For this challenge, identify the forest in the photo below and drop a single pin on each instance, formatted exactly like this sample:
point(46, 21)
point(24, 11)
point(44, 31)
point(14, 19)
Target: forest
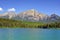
point(10, 23)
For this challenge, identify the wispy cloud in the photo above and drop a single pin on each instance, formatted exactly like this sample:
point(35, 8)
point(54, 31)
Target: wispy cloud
point(11, 9)
point(1, 9)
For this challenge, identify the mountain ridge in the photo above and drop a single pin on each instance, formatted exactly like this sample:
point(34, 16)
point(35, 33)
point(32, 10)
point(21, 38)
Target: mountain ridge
point(30, 15)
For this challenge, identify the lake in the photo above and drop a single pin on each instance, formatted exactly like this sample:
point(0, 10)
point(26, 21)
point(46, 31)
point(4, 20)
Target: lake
point(29, 34)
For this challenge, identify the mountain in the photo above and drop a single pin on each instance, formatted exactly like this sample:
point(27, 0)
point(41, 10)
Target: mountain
point(30, 15)
point(9, 15)
point(54, 17)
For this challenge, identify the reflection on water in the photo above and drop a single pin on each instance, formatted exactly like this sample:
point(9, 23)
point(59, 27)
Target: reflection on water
point(29, 34)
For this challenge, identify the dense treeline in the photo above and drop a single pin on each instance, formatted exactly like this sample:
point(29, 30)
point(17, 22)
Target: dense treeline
point(50, 25)
point(9, 23)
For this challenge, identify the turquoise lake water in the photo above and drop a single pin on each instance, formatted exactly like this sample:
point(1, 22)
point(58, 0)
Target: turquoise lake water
point(29, 34)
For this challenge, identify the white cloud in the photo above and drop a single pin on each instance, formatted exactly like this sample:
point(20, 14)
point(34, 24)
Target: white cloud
point(1, 9)
point(11, 9)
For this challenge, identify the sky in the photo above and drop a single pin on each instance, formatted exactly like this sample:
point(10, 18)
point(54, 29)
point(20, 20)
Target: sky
point(44, 6)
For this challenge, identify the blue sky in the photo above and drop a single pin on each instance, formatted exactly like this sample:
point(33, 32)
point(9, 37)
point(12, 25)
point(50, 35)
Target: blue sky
point(45, 6)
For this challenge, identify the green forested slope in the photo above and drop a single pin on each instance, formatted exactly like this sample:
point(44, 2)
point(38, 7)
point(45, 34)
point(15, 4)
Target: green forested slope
point(9, 23)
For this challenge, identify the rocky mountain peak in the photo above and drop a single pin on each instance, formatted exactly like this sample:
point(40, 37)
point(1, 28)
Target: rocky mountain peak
point(30, 15)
